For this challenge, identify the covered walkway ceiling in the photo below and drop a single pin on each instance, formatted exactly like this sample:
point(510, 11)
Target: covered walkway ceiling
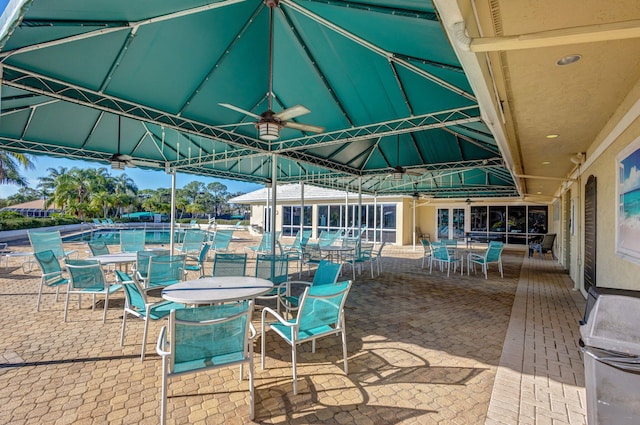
point(90, 79)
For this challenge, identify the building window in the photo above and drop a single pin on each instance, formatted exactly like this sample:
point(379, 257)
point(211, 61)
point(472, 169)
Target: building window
point(291, 219)
point(379, 223)
point(510, 224)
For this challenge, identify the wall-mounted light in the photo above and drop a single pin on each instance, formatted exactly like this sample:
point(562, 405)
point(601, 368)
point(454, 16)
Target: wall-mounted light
point(578, 158)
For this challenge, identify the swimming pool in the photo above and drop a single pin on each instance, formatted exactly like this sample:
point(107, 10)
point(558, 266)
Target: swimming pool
point(112, 237)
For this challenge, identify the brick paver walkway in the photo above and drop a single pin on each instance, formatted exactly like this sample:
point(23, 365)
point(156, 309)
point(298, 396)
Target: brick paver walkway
point(423, 349)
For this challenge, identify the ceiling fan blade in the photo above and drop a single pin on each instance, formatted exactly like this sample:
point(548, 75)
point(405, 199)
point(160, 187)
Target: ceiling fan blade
point(304, 127)
point(294, 111)
point(242, 111)
point(144, 163)
point(238, 124)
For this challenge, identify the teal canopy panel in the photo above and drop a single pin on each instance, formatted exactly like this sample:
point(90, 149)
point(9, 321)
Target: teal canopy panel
point(363, 92)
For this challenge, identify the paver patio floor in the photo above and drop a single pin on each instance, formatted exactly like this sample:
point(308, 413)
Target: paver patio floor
point(423, 349)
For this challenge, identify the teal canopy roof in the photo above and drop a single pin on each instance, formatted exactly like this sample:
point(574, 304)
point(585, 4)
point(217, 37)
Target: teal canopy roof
point(89, 79)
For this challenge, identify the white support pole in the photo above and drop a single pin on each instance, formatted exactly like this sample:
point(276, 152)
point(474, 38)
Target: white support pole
point(346, 212)
point(375, 218)
point(274, 202)
point(414, 223)
point(301, 208)
point(266, 215)
point(360, 207)
point(173, 211)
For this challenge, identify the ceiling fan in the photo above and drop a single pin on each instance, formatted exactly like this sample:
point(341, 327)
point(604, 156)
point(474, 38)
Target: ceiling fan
point(398, 172)
point(119, 161)
point(269, 122)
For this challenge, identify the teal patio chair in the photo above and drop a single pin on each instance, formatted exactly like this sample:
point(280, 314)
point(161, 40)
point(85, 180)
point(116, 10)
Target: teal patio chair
point(206, 338)
point(427, 251)
point(87, 278)
point(290, 291)
point(191, 242)
point(443, 256)
point(49, 240)
point(142, 263)
point(312, 255)
point(376, 258)
point(274, 268)
point(363, 253)
point(165, 270)
point(138, 305)
point(298, 242)
point(52, 275)
point(493, 254)
point(321, 314)
point(229, 265)
point(98, 248)
point(295, 250)
point(221, 240)
point(264, 247)
point(327, 238)
point(132, 240)
point(202, 257)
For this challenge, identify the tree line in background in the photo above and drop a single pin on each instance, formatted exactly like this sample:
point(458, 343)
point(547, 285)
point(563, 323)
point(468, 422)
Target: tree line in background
point(88, 193)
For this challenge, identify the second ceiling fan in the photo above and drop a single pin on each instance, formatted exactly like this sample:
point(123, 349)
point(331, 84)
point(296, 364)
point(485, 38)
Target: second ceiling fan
point(269, 122)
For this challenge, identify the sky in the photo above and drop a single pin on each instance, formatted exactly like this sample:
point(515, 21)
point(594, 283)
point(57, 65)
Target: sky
point(144, 179)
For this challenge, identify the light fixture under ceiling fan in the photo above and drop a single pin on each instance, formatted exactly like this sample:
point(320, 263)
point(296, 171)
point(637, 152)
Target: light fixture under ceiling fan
point(119, 161)
point(269, 123)
point(398, 172)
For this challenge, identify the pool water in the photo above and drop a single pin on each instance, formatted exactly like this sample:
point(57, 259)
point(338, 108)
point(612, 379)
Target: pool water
point(112, 237)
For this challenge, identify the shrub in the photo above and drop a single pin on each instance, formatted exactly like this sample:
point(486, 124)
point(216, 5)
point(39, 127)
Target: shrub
point(32, 223)
point(7, 215)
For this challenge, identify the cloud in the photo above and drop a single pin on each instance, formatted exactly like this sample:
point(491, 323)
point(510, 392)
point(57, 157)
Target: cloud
point(632, 182)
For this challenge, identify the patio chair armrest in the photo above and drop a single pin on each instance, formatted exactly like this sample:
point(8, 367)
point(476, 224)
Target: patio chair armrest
point(473, 256)
point(296, 282)
point(162, 343)
point(51, 274)
point(73, 251)
point(275, 314)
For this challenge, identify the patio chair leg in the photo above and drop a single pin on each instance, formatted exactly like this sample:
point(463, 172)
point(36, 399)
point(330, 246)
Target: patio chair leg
point(124, 324)
point(66, 308)
point(294, 360)
point(40, 296)
point(163, 405)
point(144, 338)
point(106, 304)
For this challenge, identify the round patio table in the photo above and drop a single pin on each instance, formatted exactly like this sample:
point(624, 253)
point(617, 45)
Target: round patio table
point(212, 290)
point(115, 258)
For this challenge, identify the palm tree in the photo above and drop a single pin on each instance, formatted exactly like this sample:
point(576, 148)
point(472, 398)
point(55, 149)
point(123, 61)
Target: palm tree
point(81, 191)
point(102, 201)
point(9, 168)
point(124, 190)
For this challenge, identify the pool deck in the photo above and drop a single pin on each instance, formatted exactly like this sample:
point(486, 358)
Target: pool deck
point(423, 349)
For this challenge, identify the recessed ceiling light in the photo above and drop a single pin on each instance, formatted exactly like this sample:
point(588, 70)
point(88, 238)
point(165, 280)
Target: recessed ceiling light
point(546, 163)
point(568, 60)
point(538, 193)
point(551, 136)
